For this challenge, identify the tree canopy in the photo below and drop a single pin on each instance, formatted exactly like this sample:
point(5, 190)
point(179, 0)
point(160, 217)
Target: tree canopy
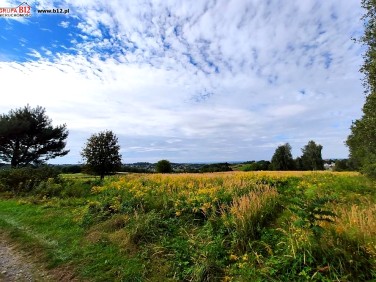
point(164, 166)
point(311, 158)
point(27, 137)
point(101, 153)
point(362, 139)
point(282, 158)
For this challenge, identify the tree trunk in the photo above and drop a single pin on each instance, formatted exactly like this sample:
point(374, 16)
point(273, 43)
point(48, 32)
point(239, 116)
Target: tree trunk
point(16, 153)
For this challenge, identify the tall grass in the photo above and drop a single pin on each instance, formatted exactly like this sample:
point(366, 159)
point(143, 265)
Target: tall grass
point(359, 223)
point(251, 212)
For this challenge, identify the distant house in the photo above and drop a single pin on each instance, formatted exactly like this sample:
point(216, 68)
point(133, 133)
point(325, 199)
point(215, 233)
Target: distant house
point(329, 166)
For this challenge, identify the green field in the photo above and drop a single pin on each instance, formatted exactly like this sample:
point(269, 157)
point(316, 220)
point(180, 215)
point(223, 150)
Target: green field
point(236, 226)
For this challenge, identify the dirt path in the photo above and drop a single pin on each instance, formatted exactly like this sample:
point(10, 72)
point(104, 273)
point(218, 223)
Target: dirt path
point(17, 266)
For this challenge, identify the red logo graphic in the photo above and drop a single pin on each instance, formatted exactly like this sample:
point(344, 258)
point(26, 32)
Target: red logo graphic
point(22, 10)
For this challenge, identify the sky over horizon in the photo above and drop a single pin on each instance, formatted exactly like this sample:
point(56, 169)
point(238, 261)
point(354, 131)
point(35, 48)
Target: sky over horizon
point(189, 81)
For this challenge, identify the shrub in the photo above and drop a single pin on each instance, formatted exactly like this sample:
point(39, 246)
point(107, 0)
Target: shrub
point(63, 188)
point(77, 189)
point(48, 188)
point(21, 180)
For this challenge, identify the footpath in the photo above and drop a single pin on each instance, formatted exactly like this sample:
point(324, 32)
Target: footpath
point(18, 266)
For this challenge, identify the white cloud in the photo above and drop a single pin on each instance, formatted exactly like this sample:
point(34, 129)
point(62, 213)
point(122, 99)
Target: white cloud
point(35, 54)
point(223, 80)
point(64, 24)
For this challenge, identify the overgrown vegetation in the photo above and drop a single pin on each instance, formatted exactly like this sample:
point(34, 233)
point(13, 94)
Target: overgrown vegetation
point(26, 179)
point(264, 226)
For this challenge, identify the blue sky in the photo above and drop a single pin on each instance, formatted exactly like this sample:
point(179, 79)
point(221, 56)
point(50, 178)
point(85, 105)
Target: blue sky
point(189, 81)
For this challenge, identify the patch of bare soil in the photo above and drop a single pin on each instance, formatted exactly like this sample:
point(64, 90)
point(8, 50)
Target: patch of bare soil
point(16, 265)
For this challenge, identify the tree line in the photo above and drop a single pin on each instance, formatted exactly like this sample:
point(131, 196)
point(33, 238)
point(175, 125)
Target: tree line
point(311, 158)
point(27, 138)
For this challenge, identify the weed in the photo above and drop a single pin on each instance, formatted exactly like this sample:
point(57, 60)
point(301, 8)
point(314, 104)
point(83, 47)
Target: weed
point(312, 212)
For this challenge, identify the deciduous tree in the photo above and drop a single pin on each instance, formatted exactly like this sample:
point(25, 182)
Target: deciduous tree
point(311, 158)
point(101, 153)
point(362, 140)
point(282, 158)
point(164, 166)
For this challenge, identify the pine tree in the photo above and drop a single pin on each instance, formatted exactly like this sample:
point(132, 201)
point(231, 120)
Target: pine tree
point(27, 137)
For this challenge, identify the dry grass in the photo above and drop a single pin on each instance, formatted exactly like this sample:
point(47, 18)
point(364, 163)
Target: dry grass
point(358, 222)
point(247, 206)
point(251, 211)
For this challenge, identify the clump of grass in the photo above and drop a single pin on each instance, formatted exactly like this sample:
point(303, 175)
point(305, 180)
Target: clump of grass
point(144, 227)
point(358, 223)
point(132, 231)
point(113, 224)
point(251, 212)
point(294, 257)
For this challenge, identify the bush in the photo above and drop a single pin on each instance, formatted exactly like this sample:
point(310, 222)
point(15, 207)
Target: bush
point(256, 166)
point(48, 188)
point(216, 167)
point(20, 180)
point(71, 169)
point(63, 188)
point(164, 166)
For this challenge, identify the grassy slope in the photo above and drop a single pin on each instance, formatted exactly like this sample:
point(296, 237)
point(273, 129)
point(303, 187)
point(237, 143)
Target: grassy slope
point(156, 242)
point(53, 233)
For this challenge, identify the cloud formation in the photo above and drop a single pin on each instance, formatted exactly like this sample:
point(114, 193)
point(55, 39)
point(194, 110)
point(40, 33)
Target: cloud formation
point(192, 81)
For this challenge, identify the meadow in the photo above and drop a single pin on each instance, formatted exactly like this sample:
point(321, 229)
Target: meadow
point(233, 226)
